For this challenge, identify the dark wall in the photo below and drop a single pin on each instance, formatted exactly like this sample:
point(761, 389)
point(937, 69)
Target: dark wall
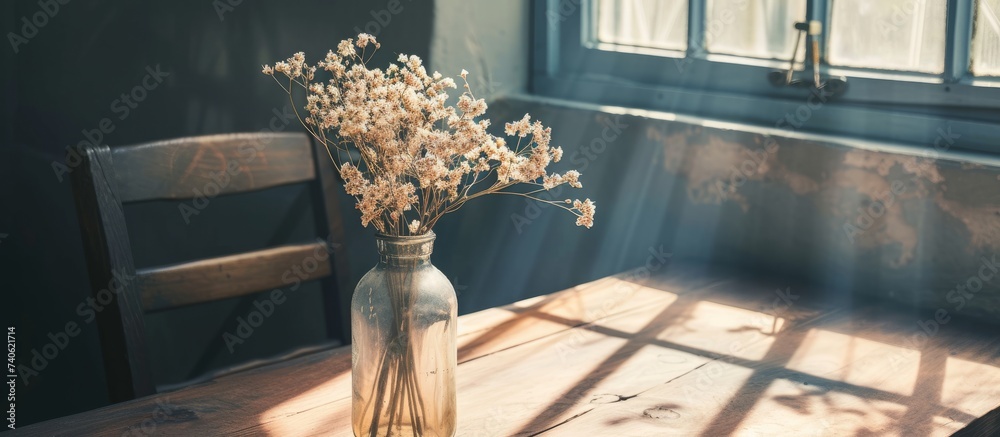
point(69, 76)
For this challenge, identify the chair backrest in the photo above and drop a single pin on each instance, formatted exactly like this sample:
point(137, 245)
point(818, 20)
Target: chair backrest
point(179, 169)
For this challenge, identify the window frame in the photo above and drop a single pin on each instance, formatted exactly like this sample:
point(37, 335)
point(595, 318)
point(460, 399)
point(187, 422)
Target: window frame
point(892, 106)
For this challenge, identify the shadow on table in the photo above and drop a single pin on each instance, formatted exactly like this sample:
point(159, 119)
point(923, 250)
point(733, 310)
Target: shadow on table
point(771, 361)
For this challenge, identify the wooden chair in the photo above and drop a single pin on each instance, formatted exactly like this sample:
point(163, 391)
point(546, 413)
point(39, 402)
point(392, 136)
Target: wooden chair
point(172, 169)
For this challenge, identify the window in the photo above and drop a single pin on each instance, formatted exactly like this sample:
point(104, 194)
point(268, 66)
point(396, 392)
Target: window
point(912, 67)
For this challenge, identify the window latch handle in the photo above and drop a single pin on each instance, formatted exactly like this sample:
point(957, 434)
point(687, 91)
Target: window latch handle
point(811, 29)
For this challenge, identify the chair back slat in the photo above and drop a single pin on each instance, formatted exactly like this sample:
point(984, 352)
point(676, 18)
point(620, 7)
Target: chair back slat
point(224, 277)
point(207, 166)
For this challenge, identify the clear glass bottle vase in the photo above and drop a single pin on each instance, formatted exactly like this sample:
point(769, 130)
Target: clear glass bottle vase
point(403, 317)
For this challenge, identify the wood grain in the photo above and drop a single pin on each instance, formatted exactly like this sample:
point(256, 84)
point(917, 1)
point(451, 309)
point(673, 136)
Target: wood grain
point(679, 355)
point(211, 165)
point(231, 276)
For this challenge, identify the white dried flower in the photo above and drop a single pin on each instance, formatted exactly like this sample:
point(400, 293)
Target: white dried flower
point(364, 39)
point(345, 48)
point(587, 209)
point(572, 178)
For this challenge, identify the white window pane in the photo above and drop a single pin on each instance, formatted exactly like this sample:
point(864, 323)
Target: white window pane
point(645, 23)
point(888, 34)
point(986, 40)
point(756, 28)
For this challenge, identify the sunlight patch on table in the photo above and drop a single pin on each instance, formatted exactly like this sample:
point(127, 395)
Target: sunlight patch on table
point(858, 361)
point(634, 322)
point(725, 329)
point(645, 369)
point(970, 387)
point(333, 389)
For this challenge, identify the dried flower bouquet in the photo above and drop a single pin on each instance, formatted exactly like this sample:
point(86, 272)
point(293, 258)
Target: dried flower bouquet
point(416, 158)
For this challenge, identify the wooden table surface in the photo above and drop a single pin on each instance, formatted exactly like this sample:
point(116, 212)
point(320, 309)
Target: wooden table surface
point(685, 353)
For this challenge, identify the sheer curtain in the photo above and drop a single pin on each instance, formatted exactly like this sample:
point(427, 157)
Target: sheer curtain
point(754, 28)
point(644, 23)
point(889, 34)
point(986, 42)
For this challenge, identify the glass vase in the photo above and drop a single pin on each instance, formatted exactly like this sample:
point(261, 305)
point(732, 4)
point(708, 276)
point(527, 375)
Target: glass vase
point(403, 317)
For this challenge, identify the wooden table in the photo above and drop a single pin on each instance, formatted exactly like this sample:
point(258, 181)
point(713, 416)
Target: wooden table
point(685, 353)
